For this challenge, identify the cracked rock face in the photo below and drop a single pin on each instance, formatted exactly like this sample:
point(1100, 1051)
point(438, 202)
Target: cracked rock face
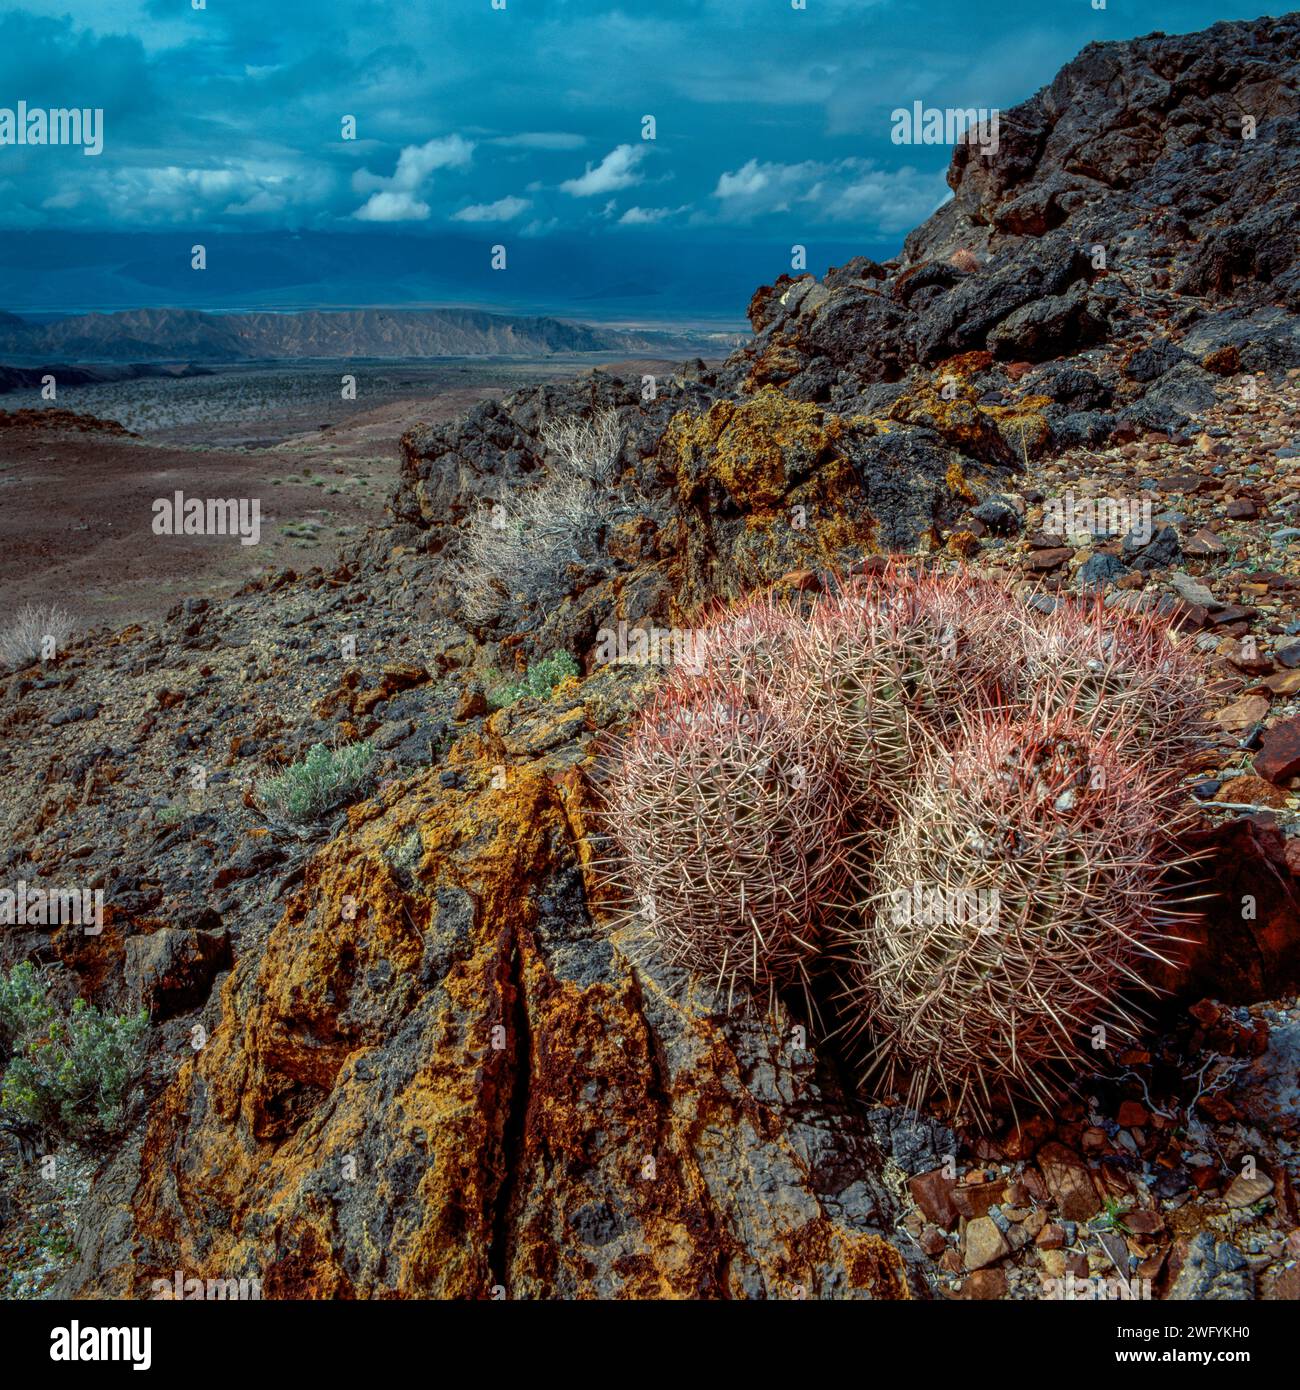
point(461, 1085)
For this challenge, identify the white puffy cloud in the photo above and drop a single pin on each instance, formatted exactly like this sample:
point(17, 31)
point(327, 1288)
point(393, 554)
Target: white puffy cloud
point(846, 190)
point(617, 170)
point(399, 198)
point(157, 194)
point(503, 210)
point(392, 207)
point(644, 217)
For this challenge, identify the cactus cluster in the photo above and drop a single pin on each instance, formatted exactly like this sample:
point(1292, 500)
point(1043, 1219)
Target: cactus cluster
point(963, 805)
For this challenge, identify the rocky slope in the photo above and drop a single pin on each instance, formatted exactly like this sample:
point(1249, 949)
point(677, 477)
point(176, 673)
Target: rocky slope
point(411, 1052)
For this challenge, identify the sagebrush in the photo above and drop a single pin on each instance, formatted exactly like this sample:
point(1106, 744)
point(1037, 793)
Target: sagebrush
point(324, 780)
point(65, 1073)
point(527, 540)
point(32, 632)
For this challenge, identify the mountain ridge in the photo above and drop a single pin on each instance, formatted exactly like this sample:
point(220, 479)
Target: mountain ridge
point(168, 334)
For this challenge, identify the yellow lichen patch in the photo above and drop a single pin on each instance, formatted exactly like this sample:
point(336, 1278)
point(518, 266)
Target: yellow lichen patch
point(773, 367)
point(874, 1268)
point(952, 412)
point(955, 477)
point(963, 544)
point(1024, 425)
point(424, 1089)
point(756, 449)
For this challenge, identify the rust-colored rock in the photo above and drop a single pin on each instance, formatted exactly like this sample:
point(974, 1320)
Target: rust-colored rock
point(431, 1088)
point(1245, 945)
point(1279, 754)
point(1069, 1181)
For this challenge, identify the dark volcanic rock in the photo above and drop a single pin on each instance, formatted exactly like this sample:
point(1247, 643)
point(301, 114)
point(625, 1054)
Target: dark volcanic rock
point(440, 1063)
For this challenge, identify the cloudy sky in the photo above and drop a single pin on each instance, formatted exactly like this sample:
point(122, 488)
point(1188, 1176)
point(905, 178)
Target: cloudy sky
point(522, 126)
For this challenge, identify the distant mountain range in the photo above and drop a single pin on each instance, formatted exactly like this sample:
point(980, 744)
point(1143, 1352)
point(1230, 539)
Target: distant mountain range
point(176, 335)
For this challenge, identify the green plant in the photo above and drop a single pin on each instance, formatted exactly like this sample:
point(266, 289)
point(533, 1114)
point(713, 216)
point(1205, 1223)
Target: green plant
point(1112, 1218)
point(538, 682)
point(325, 779)
point(68, 1073)
point(24, 1009)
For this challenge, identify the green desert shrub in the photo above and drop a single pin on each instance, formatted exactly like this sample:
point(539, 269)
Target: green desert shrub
point(67, 1074)
point(24, 1009)
point(540, 680)
point(325, 779)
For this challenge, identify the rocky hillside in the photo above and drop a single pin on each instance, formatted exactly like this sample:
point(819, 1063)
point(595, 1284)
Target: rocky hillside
point(408, 1049)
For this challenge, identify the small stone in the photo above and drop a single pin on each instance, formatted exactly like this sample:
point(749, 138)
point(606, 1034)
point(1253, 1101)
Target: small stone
point(1144, 1223)
point(984, 1284)
point(1241, 509)
point(999, 514)
point(1101, 569)
point(985, 1244)
point(1160, 551)
point(1132, 1112)
point(1192, 591)
point(1205, 542)
point(1048, 559)
point(1248, 790)
point(1232, 614)
point(1288, 656)
point(1069, 1181)
point(1245, 1192)
point(1051, 1236)
point(1241, 714)
point(975, 1200)
point(1246, 656)
point(932, 1192)
point(1279, 755)
point(932, 1241)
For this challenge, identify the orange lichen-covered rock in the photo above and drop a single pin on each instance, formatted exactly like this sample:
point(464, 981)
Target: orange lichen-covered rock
point(442, 1078)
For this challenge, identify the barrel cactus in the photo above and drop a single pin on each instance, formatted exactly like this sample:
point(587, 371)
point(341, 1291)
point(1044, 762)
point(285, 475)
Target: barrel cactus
point(1014, 902)
point(962, 804)
point(730, 829)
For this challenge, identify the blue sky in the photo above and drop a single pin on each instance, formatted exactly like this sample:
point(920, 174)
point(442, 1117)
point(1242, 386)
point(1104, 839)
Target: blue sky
point(520, 126)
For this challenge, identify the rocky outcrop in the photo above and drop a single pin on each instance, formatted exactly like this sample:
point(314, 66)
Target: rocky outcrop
point(410, 1050)
point(450, 1081)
